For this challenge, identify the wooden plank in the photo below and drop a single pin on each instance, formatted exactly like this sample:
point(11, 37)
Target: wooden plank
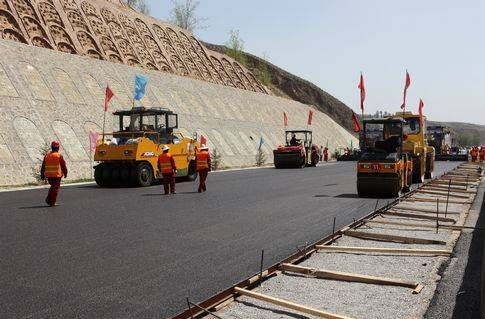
point(442, 194)
point(418, 216)
point(393, 238)
point(289, 304)
point(452, 189)
point(380, 250)
point(350, 277)
point(432, 200)
point(385, 222)
point(424, 210)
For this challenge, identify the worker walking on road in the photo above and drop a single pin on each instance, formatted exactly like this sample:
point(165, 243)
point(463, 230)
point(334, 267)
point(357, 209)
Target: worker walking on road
point(203, 159)
point(325, 154)
point(474, 154)
point(53, 168)
point(482, 154)
point(166, 165)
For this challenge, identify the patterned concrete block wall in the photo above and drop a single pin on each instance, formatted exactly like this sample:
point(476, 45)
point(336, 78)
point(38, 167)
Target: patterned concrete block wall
point(47, 95)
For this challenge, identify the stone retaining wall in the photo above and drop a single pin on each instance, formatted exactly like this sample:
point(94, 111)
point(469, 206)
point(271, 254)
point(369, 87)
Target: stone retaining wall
point(47, 95)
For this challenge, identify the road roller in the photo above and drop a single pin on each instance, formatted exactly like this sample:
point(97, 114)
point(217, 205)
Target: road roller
point(128, 157)
point(384, 169)
point(297, 152)
point(415, 143)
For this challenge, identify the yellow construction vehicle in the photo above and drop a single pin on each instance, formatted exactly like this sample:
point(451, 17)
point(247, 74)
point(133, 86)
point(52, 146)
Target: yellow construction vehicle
point(384, 168)
point(416, 145)
point(129, 156)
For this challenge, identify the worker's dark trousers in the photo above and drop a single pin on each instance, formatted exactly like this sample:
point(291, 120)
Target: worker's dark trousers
point(53, 191)
point(168, 183)
point(202, 178)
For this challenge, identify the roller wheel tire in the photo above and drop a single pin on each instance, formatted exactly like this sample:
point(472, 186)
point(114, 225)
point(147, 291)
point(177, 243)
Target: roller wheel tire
point(98, 176)
point(418, 175)
point(143, 175)
point(192, 174)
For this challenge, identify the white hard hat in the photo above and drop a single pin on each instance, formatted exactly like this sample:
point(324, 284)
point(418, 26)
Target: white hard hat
point(203, 147)
point(165, 148)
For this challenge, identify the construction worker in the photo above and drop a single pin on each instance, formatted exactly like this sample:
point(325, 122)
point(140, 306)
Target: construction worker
point(53, 168)
point(482, 154)
point(203, 160)
point(166, 165)
point(325, 154)
point(474, 154)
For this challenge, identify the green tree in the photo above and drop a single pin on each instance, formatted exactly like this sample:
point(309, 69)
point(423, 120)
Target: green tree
point(139, 5)
point(184, 15)
point(236, 47)
point(260, 157)
point(216, 160)
point(43, 150)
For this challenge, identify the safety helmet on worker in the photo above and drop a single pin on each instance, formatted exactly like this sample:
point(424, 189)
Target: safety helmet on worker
point(203, 148)
point(55, 145)
point(165, 148)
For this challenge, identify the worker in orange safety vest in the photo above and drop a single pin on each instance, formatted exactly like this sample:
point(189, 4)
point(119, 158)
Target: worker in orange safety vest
point(482, 154)
point(166, 165)
point(53, 168)
point(325, 154)
point(203, 160)
point(474, 154)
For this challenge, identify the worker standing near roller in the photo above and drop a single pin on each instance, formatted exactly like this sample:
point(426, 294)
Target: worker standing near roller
point(482, 154)
point(474, 154)
point(203, 166)
point(53, 168)
point(325, 154)
point(166, 165)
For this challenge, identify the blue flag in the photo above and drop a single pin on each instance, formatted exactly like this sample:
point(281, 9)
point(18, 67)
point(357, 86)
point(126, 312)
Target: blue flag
point(261, 142)
point(140, 86)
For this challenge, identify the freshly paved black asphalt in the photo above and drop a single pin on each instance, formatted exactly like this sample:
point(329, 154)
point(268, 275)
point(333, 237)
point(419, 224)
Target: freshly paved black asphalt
point(132, 253)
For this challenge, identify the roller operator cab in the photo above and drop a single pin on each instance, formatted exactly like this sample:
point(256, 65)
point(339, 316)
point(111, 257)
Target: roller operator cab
point(415, 143)
point(384, 169)
point(129, 156)
point(298, 150)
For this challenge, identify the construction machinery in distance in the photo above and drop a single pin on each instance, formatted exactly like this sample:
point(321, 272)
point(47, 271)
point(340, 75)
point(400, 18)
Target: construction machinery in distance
point(298, 150)
point(384, 169)
point(440, 137)
point(129, 156)
point(415, 144)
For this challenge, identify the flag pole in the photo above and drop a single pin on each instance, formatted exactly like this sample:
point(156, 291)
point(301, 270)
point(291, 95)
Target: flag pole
point(104, 121)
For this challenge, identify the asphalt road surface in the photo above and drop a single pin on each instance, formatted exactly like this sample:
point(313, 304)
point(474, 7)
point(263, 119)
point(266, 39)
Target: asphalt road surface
point(132, 253)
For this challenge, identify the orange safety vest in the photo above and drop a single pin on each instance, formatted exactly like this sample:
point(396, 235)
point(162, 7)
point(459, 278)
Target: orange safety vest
point(202, 160)
point(474, 152)
point(165, 163)
point(53, 165)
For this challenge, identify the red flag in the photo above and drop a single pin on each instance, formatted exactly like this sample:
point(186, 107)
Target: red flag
point(285, 119)
point(310, 117)
point(356, 123)
point(108, 97)
point(406, 86)
point(420, 110)
point(93, 141)
point(203, 140)
point(362, 92)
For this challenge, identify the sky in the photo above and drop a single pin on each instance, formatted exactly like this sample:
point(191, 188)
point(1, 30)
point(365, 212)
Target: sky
point(329, 42)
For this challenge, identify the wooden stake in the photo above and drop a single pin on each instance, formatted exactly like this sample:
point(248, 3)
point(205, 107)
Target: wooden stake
point(289, 304)
point(343, 276)
point(393, 238)
point(392, 251)
point(417, 216)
